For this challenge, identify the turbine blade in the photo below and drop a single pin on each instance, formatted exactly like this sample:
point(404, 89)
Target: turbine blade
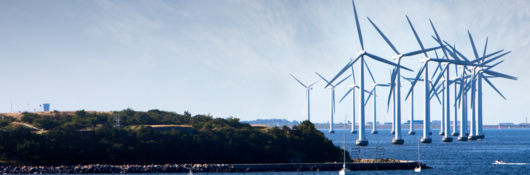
point(353, 75)
point(368, 99)
point(344, 69)
point(491, 84)
point(489, 72)
point(432, 86)
point(386, 61)
point(351, 89)
point(454, 62)
point(371, 76)
point(322, 78)
point(384, 37)
point(438, 39)
point(392, 84)
point(451, 53)
point(436, 70)
point(298, 80)
point(473, 44)
point(494, 58)
point(416, 79)
point(358, 26)
point(417, 38)
point(457, 52)
point(312, 84)
point(484, 57)
point(342, 80)
point(485, 47)
point(441, 74)
point(492, 66)
point(420, 51)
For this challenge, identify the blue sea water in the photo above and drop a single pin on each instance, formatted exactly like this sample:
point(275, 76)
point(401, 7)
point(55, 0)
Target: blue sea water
point(471, 157)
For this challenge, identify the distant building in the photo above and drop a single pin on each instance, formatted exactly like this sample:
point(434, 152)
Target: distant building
point(369, 123)
point(46, 106)
point(415, 122)
point(506, 124)
point(388, 123)
point(436, 122)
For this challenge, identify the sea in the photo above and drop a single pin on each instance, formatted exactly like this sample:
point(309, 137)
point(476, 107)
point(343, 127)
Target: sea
point(470, 157)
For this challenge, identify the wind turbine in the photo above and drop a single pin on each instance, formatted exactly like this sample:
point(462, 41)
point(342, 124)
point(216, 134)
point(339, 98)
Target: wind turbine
point(398, 139)
point(425, 69)
point(411, 131)
point(476, 78)
point(362, 141)
point(373, 92)
point(332, 87)
point(307, 89)
point(352, 88)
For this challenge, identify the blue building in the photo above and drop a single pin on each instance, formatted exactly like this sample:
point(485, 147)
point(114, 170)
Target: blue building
point(46, 106)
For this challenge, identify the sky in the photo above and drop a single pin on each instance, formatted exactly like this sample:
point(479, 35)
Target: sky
point(233, 58)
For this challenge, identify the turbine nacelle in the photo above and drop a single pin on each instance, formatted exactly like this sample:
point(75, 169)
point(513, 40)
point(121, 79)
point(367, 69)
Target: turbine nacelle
point(397, 57)
point(423, 60)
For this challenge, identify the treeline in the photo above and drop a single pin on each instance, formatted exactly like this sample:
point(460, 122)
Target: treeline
point(215, 140)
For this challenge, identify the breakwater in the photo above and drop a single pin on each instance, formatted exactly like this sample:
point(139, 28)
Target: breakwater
point(175, 168)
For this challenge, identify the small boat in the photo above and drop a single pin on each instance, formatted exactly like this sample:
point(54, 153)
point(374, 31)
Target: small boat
point(499, 162)
point(418, 168)
point(344, 170)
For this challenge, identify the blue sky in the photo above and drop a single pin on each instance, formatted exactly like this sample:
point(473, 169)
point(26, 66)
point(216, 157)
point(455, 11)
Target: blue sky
point(233, 58)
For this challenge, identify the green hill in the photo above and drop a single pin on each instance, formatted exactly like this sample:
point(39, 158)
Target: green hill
point(87, 138)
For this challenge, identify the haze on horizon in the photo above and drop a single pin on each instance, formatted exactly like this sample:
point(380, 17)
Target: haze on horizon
point(233, 58)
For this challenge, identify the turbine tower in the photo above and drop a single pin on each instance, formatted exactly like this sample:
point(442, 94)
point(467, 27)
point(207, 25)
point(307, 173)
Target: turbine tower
point(362, 141)
point(352, 88)
point(332, 87)
point(307, 89)
point(373, 92)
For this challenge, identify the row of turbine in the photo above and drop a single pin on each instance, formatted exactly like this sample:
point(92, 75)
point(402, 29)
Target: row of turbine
point(465, 81)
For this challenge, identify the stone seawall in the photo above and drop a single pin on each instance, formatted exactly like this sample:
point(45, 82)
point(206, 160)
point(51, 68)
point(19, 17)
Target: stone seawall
point(172, 168)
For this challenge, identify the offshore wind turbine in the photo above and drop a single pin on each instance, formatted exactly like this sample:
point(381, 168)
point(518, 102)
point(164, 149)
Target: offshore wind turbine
point(411, 131)
point(362, 141)
point(480, 75)
point(425, 69)
point(307, 89)
point(374, 92)
point(398, 139)
point(352, 88)
point(476, 78)
point(332, 87)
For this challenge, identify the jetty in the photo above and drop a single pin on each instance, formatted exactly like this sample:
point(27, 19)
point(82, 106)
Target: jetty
point(176, 168)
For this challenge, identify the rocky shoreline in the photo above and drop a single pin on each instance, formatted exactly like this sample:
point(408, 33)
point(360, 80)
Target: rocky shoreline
point(179, 168)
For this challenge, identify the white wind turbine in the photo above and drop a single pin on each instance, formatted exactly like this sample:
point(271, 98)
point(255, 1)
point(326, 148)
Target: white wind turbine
point(396, 82)
point(332, 87)
point(352, 88)
point(307, 89)
point(362, 141)
point(374, 92)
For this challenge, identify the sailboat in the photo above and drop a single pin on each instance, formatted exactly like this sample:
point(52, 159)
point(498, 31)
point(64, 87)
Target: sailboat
point(418, 168)
point(344, 170)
